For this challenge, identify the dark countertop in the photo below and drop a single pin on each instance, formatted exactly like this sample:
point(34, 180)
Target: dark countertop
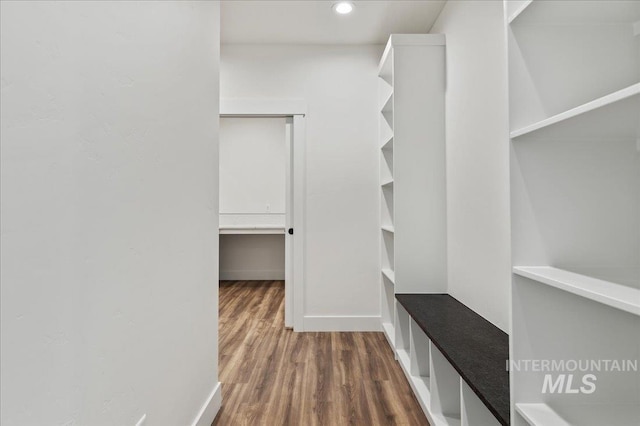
point(477, 349)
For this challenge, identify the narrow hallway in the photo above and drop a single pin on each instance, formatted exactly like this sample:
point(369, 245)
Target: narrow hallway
point(271, 375)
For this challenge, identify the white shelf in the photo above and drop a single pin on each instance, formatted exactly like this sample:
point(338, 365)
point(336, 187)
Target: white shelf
point(387, 184)
point(252, 229)
point(388, 105)
point(542, 12)
point(388, 228)
point(388, 144)
point(521, 8)
point(622, 121)
point(386, 132)
point(391, 276)
point(388, 118)
point(439, 419)
point(611, 294)
point(540, 415)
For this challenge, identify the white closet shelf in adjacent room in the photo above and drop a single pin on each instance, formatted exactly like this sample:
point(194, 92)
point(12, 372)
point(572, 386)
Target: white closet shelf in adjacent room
point(608, 293)
point(252, 230)
point(605, 117)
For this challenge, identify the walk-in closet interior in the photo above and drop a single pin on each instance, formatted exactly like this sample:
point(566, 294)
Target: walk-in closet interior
point(320, 212)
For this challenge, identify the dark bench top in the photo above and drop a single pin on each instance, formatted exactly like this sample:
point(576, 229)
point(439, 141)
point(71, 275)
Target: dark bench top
point(477, 349)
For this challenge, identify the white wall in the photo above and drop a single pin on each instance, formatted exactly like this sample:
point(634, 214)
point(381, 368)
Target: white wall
point(252, 165)
point(252, 257)
point(477, 157)
point(109, 212)
point(339, 84)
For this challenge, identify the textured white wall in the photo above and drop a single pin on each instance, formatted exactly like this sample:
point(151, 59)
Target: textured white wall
point(339, 84)
point(109, 211)
point(478, 219)
point(252, 165)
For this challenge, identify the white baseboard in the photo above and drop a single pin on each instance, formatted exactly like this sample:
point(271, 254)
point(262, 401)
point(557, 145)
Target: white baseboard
point(210, 409)
point(251, 275)
point(342, 323)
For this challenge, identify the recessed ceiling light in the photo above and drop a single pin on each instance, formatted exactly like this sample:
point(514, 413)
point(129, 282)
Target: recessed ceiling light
point(343, 7)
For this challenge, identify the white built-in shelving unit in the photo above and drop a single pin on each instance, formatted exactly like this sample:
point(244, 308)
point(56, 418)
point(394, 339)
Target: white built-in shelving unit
point(413, 204)
point(412, 170)
point(574, 83)
point(438, 378)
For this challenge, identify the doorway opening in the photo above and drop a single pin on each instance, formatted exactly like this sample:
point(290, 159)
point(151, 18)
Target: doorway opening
point(261, 196)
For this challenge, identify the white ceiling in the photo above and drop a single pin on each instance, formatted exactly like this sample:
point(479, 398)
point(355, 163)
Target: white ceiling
point(315, 22)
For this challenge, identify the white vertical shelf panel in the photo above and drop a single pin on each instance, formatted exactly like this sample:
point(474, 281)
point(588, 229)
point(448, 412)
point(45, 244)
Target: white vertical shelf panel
point(473, 411)
point(388, 309)
point(419, 187)
point(418, 376)
point(402, 330)
point(419, 353)
point(445, 388)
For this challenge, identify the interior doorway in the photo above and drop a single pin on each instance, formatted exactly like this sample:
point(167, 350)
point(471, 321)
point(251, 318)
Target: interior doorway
point(269, 217)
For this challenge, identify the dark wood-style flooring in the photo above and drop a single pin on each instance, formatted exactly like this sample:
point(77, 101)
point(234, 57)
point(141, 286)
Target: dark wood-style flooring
point(273, 376)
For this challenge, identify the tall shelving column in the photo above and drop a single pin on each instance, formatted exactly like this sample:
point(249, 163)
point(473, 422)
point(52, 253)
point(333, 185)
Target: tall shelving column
point(412, 175)
point(574, 82)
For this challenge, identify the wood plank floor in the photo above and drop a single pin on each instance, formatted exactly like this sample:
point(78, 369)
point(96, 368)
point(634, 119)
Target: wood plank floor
point(273, 376)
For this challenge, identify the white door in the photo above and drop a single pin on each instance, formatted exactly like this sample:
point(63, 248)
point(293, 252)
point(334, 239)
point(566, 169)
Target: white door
point(288, 238)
